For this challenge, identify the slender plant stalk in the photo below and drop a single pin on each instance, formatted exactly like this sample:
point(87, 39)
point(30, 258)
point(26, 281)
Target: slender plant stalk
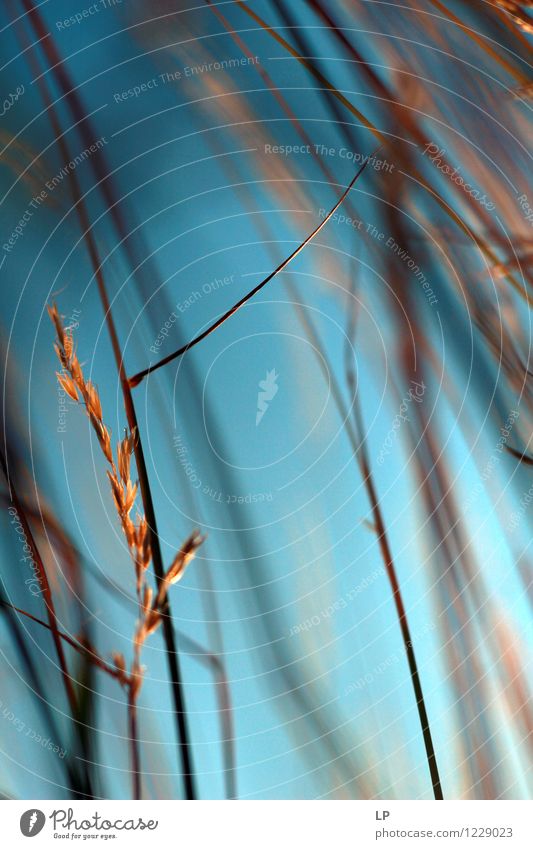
point(47, 592)
point(137, 534)
point(78, 788)
point(386, 553)
point(400, 610)
point(360, 454)
point(200, 654)
point(482, 43)
point(134, 742)
point(82, 647)
point(88, 652)
point(384, 546)
point(157, 558)
point(137, 378)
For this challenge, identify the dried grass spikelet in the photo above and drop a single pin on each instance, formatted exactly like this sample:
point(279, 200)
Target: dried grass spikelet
point(152, 609)
point(74, 384)
point(124, 492)
point(68, 385)
point(183, 558)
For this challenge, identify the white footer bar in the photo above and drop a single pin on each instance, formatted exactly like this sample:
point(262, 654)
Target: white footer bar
point(268, 824)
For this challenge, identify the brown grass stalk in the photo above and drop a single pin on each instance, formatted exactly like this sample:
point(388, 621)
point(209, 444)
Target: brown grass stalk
point(84, 648)
point(401, 613)
point(45, 585)
point(138, 538)
point(157, 557)
point(81, 645)
point(137, 378)
point(360, 454)
point(481, 43)
point(384, 141)
point(79, 784)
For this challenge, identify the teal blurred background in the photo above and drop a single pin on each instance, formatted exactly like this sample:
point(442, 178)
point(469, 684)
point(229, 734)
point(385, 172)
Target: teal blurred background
point(287, 610)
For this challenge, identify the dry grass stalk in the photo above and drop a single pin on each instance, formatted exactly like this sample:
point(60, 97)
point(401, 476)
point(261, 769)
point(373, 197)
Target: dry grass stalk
point(124, 491)
point(385, 142)
point(137, 378)
point(45, 583)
